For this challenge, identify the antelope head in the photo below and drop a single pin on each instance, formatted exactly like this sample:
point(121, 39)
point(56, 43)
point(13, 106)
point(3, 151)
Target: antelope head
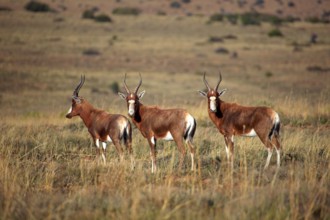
point(213, 95)
point(77, 101)
point(132, 98)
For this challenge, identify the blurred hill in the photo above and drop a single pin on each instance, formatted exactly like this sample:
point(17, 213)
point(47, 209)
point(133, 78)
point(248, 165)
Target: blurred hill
point(300, 9)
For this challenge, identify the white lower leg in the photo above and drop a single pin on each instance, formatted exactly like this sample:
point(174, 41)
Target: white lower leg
point(278, 157)
point(103, 158)
point(227, 152)
point(104, 145)
point(192, 161)
point(270, 152)
point(153, 166)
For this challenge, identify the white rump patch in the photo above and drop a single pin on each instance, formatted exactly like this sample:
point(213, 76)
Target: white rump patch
point(152, 141)
point(276, 118)
point(122, 125)
point(70, 110)
point(109, 139)
point(252, 133)
point(190, 123)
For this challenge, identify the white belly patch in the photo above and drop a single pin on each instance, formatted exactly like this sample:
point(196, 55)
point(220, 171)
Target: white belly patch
point(252, 133)
point(168, 137)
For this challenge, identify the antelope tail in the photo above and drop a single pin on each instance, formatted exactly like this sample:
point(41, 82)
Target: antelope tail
point(127, 134)
point(275, 131)
point(190, 128)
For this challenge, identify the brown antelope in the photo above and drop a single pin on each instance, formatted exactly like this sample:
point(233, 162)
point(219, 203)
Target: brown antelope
point(232, 119)
point(101, 125)
point(155, 123)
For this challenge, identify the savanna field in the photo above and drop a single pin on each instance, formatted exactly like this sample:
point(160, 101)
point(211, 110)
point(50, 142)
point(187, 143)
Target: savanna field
point(49, 167)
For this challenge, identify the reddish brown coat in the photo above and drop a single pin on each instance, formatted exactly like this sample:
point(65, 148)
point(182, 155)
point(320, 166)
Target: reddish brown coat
point(155, 123)
point(232, 119)
point(101, 125)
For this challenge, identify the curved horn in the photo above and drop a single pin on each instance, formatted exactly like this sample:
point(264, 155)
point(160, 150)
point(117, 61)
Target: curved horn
point(220, 79)
point(76, 91)
point(206, 83)
point(137, 88)
point(125, 85)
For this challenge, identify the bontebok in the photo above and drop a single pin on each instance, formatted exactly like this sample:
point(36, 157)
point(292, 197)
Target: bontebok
point(102, 126)
point(155, 123)
point(232, 119)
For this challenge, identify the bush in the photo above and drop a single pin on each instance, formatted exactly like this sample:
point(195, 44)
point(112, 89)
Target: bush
point(315, 20)
point(291, 4)
point(216, 18)
point(91, 52)
point(250, 19)
point(126, 11)
point(35, 6)
point(5, 8)
point(215, 39)
point(114, 87)
point(222, 50)
point(268, 74)
point(275, 33)
point(102, 18)
point(161, 13)
point(232, 18)
point(175, 5)
point(89, 13)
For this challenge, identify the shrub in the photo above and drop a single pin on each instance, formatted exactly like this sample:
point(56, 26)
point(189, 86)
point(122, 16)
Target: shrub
point(175, 5)
point(161, 13)
point(268, 74)
point(35, 6)
point(114, 87)
point(291, 4)
point(4, 8)
point(126, 11)
point(232, 18)
point(250, 19)
point(259, 2)
point(216, 17)
point(275, 33)
point(215, 39)
point(89, 13)
point(102, 18)
point(91, 52)
point(222, 50)
point(315, 20)
point(271, 19)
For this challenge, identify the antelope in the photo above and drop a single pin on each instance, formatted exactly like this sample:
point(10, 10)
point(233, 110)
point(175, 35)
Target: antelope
point(232, 119)
point(102, 126)
point(155, 123)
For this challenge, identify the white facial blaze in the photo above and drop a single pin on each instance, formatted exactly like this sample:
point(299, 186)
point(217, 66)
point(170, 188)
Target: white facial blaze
point(213, 104)
point(131, 107)
point(70, 110)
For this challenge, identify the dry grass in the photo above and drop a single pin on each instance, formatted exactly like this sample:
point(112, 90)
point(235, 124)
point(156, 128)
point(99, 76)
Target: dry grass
point(48, 168)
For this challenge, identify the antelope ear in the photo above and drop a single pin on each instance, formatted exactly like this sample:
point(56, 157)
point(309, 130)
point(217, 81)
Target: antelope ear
point(122, 95)
point(141, 94)
point(222, 92)
point(202, 93)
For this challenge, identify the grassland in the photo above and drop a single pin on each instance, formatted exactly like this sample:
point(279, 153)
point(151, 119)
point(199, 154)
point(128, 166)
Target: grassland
point(48, 166)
